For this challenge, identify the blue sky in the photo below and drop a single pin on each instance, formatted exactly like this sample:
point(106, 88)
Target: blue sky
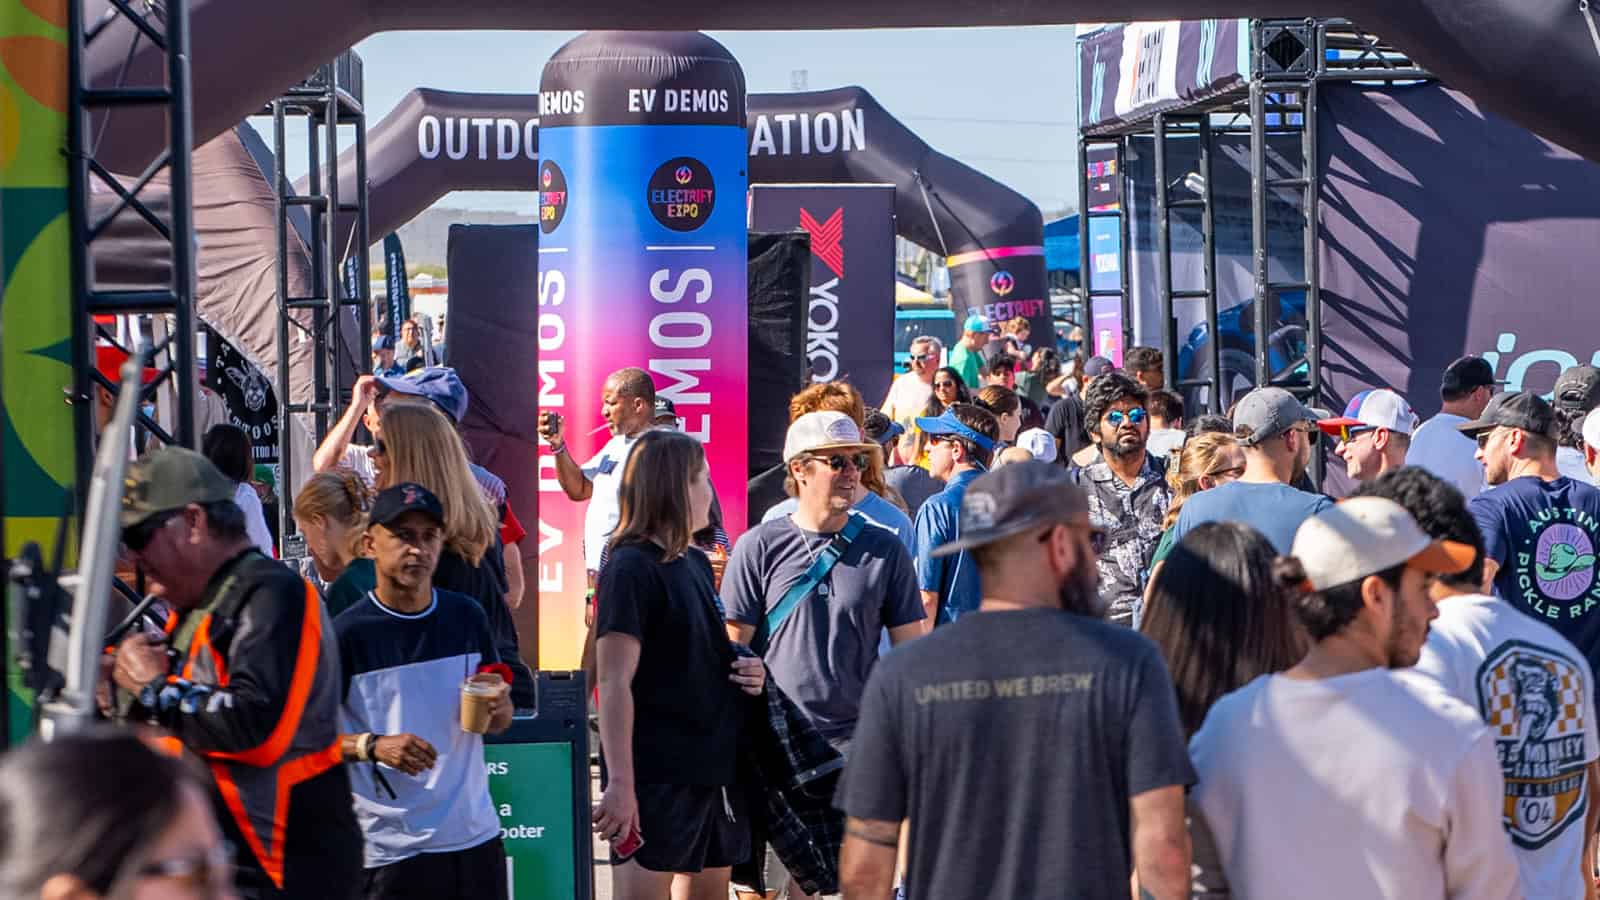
point(998, 99)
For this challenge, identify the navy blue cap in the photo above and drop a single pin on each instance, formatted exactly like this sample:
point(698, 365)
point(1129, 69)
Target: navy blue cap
point(947, 423)
point(437, 383)
point(382, 342)
point(392, 503)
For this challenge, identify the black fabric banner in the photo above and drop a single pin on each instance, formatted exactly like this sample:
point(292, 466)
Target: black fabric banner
point(396, 289)
point(780, 279)
point(850, 322)
point(247, 394)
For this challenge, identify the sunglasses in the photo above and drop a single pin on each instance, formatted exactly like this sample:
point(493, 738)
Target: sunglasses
point(1230, 472)
point(1097, 538)
point(1348, 433)
point(139, 536)
point(1483, 438)
point(921, 357)
point(206, 874)
point(1311, 434)
point(1116, 417)
point(944, 384)
point(838, 461)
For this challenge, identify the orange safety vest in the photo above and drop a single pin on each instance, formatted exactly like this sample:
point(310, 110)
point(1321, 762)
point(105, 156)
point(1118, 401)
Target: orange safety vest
point(255, 783)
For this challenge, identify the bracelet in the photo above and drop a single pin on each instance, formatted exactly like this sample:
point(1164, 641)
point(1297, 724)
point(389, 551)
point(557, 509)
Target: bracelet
point(364, 745)
point(557, 451)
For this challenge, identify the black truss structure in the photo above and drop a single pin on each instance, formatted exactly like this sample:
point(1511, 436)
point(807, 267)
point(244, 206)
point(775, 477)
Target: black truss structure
point(169, 310)
point(330, 98)
point(1290, 58)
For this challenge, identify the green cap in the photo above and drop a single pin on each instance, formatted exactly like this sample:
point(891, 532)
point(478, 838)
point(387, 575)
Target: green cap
point(170, 478)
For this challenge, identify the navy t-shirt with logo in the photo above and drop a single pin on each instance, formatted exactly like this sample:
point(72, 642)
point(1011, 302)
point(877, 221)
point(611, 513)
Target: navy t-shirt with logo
point(1545, 535)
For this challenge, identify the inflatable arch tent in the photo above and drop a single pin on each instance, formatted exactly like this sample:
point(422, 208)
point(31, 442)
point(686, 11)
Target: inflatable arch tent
point(436, 141)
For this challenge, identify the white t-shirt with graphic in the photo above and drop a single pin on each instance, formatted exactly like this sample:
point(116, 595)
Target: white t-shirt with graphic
point(1362, 785)
point(1536, 693)
point(604, 470)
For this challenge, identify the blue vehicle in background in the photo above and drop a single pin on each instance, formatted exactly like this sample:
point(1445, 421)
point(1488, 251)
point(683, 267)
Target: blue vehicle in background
point(1286, 348)
point(914, 319)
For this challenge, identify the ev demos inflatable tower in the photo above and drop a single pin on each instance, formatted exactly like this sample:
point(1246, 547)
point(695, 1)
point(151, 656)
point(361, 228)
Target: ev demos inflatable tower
point(642, 262)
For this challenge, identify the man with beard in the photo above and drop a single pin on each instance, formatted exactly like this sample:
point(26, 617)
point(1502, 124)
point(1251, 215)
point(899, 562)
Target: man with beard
point(1278, 433)
point(1540, 528)
point(1340, 777)
point(1127, 488)
point(1052, 735)
point(961, 445)
point(1517, 672)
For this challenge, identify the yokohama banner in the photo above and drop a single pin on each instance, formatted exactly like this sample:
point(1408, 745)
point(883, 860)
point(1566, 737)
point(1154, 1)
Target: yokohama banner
point(850, 322)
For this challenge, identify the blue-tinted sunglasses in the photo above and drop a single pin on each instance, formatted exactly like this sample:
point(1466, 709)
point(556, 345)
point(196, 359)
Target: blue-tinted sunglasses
point(1116, 417)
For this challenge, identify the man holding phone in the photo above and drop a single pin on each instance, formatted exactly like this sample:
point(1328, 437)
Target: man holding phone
point(910, 391)
point(422, 685)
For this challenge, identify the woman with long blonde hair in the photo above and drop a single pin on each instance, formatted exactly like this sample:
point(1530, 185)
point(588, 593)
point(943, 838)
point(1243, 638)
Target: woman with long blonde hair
point(331, 512)
point(420, 445)
point(1205, 461)
point(669, 683)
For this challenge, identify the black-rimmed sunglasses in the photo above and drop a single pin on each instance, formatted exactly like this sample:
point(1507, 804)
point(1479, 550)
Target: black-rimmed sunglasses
point(139, 536)
point(838, 461)
point(1097, 539)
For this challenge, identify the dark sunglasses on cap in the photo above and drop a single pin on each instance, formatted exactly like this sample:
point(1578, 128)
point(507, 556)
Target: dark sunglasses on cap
point(838, 461)
point(139, 536)
point(1116, 417)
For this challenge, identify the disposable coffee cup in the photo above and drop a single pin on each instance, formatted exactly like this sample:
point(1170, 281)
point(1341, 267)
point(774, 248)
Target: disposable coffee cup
point(476, 696)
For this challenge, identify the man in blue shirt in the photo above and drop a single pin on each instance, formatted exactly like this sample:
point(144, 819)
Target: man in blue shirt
point(1278, 433)
point(961, 445)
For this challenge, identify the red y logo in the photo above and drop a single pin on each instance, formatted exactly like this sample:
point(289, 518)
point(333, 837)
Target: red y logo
point(826, 239)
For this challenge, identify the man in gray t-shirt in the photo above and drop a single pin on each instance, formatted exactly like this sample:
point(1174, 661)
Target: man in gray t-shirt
point(821, 653)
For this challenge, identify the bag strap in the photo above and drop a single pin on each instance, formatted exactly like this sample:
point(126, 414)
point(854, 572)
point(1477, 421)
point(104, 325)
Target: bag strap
point(819, 570)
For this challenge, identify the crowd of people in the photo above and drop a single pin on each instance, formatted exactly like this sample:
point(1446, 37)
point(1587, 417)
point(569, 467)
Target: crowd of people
point(1024, 630)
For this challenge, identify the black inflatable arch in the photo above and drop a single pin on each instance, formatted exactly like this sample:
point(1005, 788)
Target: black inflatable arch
point(1531, 61)
point(435, 142)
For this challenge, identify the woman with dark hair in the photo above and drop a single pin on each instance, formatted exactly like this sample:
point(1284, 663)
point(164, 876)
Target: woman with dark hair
point(669, 687)
point(99, 814)
point(948, 387)
point(229, 449)
point(1221, 619)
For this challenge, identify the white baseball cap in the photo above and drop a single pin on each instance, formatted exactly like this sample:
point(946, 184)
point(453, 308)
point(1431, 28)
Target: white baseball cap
point(1376, 408)
point(1040, 443)
point(1366, 535)
point(1591, 429)
point(819, 431)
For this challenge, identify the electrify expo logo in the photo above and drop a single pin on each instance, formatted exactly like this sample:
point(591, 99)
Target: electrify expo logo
point(552, 196)
point(682, 193)
point(1002, 283)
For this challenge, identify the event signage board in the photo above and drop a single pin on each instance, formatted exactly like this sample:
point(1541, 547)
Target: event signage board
point(531, 786)
point(642, 262)
point(850, 316)
point(1133, 71)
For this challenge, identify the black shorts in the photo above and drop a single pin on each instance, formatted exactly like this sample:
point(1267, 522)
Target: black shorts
point(690, 827)
point(477, 873)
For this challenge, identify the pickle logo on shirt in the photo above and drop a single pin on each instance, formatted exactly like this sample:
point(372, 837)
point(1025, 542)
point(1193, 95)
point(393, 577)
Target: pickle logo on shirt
point(1533, 701)
point(1555, 564)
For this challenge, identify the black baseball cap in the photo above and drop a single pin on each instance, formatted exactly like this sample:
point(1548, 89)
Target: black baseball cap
point(1014, 499)
point(664, 408)
point(392, 503)
point(1578, 388)
point(1525, 410)
point(1467, 373)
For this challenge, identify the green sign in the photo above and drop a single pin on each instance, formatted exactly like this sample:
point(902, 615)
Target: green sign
point(532, 789)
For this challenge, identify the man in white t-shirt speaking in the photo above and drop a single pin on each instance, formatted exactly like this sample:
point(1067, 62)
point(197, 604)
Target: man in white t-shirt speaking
point(1392, 786)
point(628, 404)
point(911, 390)
point(1437, 446)
point(1531, 686)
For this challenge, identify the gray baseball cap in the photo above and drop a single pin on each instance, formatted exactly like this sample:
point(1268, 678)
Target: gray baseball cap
point(1015, 499)
point(1268, 412)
